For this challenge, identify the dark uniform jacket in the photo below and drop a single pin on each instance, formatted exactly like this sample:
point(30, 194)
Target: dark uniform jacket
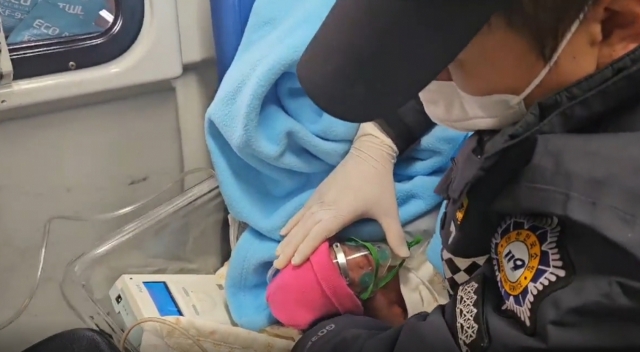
point(541, 237)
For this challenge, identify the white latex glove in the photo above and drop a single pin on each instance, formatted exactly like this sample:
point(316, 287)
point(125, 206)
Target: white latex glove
point(360, 187)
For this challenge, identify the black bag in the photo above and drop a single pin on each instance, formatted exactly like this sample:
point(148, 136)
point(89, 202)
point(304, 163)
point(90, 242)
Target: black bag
point(76, 340)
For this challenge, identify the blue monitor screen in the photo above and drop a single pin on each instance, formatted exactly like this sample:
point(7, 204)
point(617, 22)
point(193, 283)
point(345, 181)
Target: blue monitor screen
point(162, 298)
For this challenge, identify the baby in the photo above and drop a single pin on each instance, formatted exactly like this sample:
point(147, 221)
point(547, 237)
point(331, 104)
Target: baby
point(359, 278)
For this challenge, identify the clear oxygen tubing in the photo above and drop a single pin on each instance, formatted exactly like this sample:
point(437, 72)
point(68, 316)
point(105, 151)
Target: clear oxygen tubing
point(79, 218)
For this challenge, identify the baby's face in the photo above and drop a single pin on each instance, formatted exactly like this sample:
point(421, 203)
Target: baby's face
point(387, 303)
point(358, 264)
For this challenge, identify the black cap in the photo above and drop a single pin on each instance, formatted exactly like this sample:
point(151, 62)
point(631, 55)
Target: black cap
point(371, 57)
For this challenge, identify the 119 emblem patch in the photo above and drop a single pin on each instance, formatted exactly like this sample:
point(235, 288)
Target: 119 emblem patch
point(529, 265)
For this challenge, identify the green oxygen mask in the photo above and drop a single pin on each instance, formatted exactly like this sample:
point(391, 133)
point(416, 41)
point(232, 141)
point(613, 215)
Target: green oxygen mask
point(368, 266)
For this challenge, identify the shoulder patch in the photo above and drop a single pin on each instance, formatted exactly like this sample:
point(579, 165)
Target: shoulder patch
point(529, 265)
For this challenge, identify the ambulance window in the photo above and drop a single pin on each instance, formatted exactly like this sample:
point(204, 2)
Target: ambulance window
point(52, 36)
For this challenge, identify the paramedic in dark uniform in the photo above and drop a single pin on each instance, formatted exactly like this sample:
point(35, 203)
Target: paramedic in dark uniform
point(541, 235)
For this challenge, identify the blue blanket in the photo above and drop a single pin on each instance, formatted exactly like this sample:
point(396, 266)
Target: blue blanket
point(271, 147)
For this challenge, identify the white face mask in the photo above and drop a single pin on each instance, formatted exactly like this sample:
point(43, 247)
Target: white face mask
point(448, 106)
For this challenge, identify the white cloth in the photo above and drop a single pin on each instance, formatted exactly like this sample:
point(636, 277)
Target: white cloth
point(422, 287)
point(214, 336)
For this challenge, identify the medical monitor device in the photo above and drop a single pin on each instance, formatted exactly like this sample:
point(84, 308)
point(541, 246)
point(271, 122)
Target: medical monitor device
point(135, 297)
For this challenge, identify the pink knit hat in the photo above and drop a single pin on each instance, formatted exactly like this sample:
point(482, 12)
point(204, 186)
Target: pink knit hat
point(300, 296)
